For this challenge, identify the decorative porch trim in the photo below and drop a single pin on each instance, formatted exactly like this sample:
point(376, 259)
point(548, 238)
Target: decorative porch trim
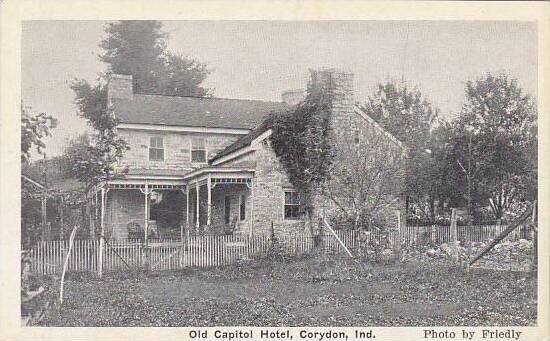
point(222, 181)
point(142, 186)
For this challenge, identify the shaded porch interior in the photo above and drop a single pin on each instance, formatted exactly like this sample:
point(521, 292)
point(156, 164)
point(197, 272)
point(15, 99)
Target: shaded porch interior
point(209, 204)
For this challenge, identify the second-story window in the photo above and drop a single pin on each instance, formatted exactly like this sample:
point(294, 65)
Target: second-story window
point(156, 148)
point(198, 150)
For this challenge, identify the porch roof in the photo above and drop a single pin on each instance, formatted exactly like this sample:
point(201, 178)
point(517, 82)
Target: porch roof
point(205, 173)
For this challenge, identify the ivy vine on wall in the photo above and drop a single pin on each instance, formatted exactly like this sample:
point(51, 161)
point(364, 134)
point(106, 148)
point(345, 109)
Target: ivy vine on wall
point(301, 140)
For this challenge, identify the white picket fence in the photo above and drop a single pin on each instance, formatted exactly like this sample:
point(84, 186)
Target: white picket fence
point(412, 235)
point(166, 254)
point(220, 250)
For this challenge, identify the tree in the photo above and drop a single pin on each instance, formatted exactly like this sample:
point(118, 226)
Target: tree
point(403, 112)
point(367, 182)
point(494, 139)
point(85, 161)
point(93, 158)
point(33, 129)
point(138, 48)
point(407, 115)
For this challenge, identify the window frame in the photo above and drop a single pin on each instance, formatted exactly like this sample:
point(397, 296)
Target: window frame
point(295, 206)
point(153, 147)
point(195, 148)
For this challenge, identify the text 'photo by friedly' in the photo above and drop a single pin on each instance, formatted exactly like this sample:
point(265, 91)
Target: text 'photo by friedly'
point(278, 174)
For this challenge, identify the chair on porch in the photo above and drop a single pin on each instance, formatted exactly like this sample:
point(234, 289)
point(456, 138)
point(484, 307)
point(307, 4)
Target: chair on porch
point(136, 229)
point(231, 226)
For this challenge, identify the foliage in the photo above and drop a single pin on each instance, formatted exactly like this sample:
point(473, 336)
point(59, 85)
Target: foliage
point(93, 158)
point(138, 48)
point(404, 112)
point(33, 129)
point(428, 178)
point(407, 115)
point(301, 140)
point(494, 143)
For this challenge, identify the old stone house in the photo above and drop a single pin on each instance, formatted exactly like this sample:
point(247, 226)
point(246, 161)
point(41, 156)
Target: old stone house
point(205, 165)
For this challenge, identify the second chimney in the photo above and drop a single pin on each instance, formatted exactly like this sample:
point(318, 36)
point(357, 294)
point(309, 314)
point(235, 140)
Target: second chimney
point(293, 97)
point(120, 87)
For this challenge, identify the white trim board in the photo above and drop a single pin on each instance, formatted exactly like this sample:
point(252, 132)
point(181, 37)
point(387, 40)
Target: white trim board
point(243, 150)
point(182, 129)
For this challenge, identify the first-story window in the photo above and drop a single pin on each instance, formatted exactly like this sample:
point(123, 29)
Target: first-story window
point(242, 208)
point(292, 205)
point(156, 148)
point(198, 150)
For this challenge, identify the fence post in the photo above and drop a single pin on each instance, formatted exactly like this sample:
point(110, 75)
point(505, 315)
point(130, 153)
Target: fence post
point(453, 232)
point(397, 239)
point(66, 263)
point(102, 236)
point(534, 262)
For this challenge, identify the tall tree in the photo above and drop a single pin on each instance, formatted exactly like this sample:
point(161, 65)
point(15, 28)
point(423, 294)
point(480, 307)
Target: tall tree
point(93, 158)
point(138, 48)
point(405, 113)
point(496, 133)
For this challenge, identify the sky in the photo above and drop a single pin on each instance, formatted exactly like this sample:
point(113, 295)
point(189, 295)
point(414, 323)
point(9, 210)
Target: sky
point(261, 59)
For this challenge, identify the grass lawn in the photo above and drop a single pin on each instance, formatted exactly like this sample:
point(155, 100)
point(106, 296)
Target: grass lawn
point(314, 291)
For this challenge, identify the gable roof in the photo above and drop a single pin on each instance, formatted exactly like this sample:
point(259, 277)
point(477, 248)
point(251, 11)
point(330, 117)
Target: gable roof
point(207, 112)
point(242, 142)
point(247, 139)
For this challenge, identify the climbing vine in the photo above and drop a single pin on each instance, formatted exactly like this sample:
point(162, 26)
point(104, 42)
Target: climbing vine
point(301, 140)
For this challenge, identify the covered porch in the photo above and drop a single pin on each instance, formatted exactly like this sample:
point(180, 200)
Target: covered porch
point(219, 201)
point(139, 208)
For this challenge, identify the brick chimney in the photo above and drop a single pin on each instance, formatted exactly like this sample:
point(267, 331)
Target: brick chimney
point(120, 87)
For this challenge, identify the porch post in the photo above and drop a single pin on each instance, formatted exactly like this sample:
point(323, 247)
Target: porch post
point(197, 189)
point(251, 215)
point(61, 218)
point(187, 207)
point(209, 207)
point(96, 204)
point(146, 227)
point(146, 222)
point(44, 222)
point(102, 236)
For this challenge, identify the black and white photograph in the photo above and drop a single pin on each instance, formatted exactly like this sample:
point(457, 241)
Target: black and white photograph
point(222, 175)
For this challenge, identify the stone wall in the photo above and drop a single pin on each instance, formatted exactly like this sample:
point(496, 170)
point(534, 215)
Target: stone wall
point(177, 149)
point(270, 183)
